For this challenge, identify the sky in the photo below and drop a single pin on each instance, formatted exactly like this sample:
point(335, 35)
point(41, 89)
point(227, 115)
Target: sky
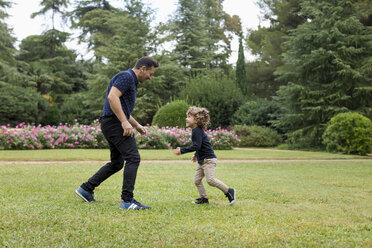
point(20, 21)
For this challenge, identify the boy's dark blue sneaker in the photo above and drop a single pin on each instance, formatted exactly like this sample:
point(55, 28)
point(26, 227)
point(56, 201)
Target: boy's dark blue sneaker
point(231, 196)
point(133, 204)
point(87, 196)
point(201, 201)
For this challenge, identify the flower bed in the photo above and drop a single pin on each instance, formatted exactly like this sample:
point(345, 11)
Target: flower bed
point(25, 136)
point(51, 137)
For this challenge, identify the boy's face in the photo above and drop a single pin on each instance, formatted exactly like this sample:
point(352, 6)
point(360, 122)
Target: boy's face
point(191, 122)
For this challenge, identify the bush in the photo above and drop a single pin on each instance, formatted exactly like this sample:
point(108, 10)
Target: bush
point(257, 136)
point(222, 139)
point(20, 104)
point(75, 107)
point(24, 137)
point(349, 133)
point(90, 136)
point(160, 138)
point(219, 94)
point(171, 115)
point(155, 139)
point(52, 117)
point(259, 112)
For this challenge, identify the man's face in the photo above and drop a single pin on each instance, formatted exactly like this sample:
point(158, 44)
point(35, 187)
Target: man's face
point(145, 74)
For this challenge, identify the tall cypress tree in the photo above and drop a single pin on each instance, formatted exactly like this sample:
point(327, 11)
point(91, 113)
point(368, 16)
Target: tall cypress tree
point(328, 67)
point(241, 76)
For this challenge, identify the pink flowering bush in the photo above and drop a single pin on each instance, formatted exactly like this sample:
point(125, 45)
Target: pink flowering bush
point(25, 136)
point(51, 137)
point(172, 137)
point(164, 137)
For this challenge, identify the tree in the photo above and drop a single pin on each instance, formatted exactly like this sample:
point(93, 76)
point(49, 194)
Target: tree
point(6, 40)
point(20, 104)
point(56, 7)
point(51, 5)
point(55, 76)
point(328, 67)
point(201, 33)
point(8, 64)
point(241, 76)
point(131, 36)
point(189, 32)
point(267, 44)
point(128, 40)
point(220, 30)
point(91, 18)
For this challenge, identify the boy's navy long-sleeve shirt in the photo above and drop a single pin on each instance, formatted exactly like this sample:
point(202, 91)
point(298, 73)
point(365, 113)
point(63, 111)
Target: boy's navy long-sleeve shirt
point(200, 144)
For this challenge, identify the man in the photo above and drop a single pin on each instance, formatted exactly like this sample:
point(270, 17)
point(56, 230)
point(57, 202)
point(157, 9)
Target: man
point(117, 126)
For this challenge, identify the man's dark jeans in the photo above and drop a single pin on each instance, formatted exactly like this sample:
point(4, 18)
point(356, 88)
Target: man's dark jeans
point(122, 148)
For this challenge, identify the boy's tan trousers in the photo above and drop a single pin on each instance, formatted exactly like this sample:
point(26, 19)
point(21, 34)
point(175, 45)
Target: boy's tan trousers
point(207, 169)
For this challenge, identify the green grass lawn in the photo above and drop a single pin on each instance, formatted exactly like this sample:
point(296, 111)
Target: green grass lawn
point(280, 204)
point(104, 154)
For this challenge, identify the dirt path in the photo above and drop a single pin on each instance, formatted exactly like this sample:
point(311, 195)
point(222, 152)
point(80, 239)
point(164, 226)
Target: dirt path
point(187, 161)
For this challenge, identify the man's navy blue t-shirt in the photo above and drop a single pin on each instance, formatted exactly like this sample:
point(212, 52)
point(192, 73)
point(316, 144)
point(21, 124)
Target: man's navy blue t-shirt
point(126, 82)
point(200, 144)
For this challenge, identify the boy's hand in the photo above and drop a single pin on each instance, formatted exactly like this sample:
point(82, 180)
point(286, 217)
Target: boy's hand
point(177, 151)
point(193, 159)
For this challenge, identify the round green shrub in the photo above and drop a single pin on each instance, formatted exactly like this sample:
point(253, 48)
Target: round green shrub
point(257, 136)
point(171, 115)
point(349, 133)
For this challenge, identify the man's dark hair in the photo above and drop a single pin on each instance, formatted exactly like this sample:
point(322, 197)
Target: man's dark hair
point(146, 61)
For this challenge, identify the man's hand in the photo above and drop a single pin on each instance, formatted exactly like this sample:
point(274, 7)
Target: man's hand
point(193, 159)
point(128, 129)
point(141, 130)
point(177, 151)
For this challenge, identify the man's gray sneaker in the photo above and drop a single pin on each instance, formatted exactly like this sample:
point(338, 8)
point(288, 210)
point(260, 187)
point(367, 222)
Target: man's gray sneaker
point(87, 196)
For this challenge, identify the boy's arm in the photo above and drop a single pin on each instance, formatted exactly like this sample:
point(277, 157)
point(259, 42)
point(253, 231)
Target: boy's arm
point(196, 138)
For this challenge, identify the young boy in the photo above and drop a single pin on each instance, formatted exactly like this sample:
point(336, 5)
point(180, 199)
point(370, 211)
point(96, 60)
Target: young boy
point(198, 120)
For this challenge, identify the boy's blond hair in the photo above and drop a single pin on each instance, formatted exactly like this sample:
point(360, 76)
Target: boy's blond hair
point(201, 115)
